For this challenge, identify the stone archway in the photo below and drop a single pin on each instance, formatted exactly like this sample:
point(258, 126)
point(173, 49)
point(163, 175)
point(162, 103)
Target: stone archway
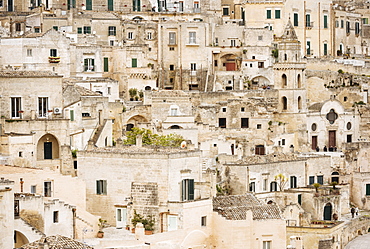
point(47, 147)
point(19, 239)
point(134, 121)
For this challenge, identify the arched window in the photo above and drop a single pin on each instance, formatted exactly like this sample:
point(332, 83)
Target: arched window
point(299, 103)
point(299, 83)
point(129, 127)
point(284, 101)
point(285, 57)
point(284, 80)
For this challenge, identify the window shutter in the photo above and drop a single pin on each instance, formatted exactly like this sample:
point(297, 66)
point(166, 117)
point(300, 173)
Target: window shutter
point(295, 19)
point(367, 189)
point(71, 115)
point(183, 190)
point(191, 189)
point(104, 187)
point(98, 187)
point(106, 67)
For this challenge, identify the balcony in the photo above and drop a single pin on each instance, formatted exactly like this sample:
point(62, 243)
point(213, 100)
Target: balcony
point(309, 25)
point(53, 59)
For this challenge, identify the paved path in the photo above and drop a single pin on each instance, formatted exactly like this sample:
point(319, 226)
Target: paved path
point(361, 242)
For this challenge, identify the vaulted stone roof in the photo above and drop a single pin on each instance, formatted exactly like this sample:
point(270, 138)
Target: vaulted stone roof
point(57, 242)
point(235, 207)
point(27, 74)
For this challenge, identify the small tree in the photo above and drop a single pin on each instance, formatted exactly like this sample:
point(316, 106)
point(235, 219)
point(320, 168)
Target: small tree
point(281, 181)
point(316, 186)
point(334, 184)
point(102, 224)
point(132, 92)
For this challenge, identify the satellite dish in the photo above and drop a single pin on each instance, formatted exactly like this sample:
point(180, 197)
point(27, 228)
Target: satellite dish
point(183, 145)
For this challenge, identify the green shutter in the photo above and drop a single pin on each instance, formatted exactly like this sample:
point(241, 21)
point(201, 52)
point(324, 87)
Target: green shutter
point(134, 62)
point(308, 20)
point(71, 115)
point(110, 5)
point(88, 4)
point(183, 190)
point(299, 199)
point(106, 66)
point(104, 187)
point(191, 189)
point(325, 49)
point(367, 189)
point(268, 12)
point(277, 14)
point(79, 30)
point(295, 19)
point(325, 22)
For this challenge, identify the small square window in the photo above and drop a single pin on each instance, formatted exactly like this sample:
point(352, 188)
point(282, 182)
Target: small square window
point(214, 145)
point(29, 52)
point(37, 30)
point(260, 37)
point(253, 57)
point(259, 126)
point(204, 221)
point(55, 28)
point(242, 109)
point(345, 99)
point(223, 109)
point(172, 67)
point(33, 189)
point(79, 30)
point(20, 154)
point(283, 142)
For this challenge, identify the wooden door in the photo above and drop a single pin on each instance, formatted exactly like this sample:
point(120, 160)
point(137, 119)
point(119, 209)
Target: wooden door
point(314, 142)
point(230, 66)
point(332, 139)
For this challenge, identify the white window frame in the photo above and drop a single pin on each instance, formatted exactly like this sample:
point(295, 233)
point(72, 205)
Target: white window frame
point(43, 107)
point(29, 52)
point(172, 38)
point(266, 244)
point(192, 37)
point(130, 35)
point(15, 107)
point(90, 67)
point(193, 67)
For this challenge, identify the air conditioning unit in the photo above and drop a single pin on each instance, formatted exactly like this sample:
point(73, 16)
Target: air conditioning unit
point(57, 110)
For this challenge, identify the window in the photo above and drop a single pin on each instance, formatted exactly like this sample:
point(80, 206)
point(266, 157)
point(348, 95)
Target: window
point(284, 101)
point(342, 23)
point(88, 4)
point(311, 180)
point(71, 115)
point(345, 99)
point(336, 23)
point(15, 106)
point(20, 154)
point(232, 43)
point(224, 109)
point(85, 114)
point(55, 28)
point(204, 221)
point(222, 122)
point(265, 182)
point(325, 49)
point(273, 186)
point(308, 20)
point(172, 67)
point(55, 216)
point(365, 20)
point(196, 5)
point(295, 21)
point(261, 65)
point(112, 30)
point(172, 38)
point(18, 27)
point(193, 66)
point(259, 150)
point(260, 37)
point(266, 245)
point(349, 138)
point(106, 64)
point(357, 28)
point(172, 49)
point(300, 199)
point(101, 187)
point(53, 53)
point(133, 62)
point(37, 29)
point(277, 14)
point(293, 182)
point(348, 27)
point(308, 48)
point(245, 123)
point(136, 5)
point(47, 189)
point(268, 14)
point(320, 179)
point(314, 127)
point(89, 65)
point(225, 11)
point(110, 5)
point(130, 35)
point(325, 21)
point(33, 189)
point(283, 141)
point(259, 126)
point(87, 30)
point(367, 189)
point(43, 106)
point(252, 187)
point(181, 6)
point(187, 189)
point(109, 91)
point(149, 35)
point(192, 37)
point(215, 63)
point(29, 52)
point(242, 109)
point(79, 30)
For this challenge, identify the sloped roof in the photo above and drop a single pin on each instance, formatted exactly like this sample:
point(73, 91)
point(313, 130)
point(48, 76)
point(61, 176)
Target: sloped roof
point(81, 90)
point(289, 32)
point(235, 207)
point(57, 242)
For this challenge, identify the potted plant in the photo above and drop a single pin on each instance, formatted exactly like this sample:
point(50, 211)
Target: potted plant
point(148, 222)
point(102, 224)
point(316, 186)
point(133, 93)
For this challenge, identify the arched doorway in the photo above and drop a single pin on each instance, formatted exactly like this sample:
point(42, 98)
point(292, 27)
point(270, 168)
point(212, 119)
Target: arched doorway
point(47, 147)
point(134, 121)
point(335, 177)
point(327, 211)
point(19, 239)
